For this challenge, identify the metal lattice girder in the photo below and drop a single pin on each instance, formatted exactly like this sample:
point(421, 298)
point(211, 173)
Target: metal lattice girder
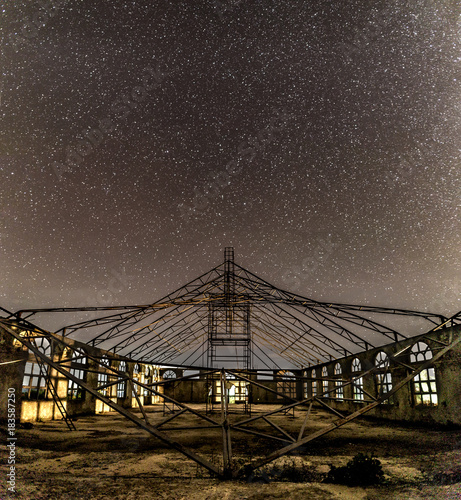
point(157, 329)
point(182, 335)
point(281, 338)
point(270, 364)
point(278, 295)
point(190, 335)
point(124, 412)
point(51, 389)
point(189, 294)
point(301, 441)
point(306, 331)
point(279, 434)
point(122, 321)
point(267, 293)
point(300, 331)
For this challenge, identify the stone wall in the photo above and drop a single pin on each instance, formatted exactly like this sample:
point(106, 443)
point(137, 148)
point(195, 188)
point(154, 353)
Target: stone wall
point(32, 410)
point(403, 406)
point(13, 361)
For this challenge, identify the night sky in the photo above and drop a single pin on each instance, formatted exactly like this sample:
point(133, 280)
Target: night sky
point(320, 139)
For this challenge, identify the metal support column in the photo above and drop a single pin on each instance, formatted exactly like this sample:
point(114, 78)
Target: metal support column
point(226, 438)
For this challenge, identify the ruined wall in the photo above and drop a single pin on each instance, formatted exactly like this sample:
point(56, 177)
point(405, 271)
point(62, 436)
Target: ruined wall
point(33, 409)
point(197, 390)
point(13, 360)
point(187, 391)
point(403, 405)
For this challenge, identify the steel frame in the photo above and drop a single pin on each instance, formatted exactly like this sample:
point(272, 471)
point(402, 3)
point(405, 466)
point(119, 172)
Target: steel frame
point(281, 435)
point(183, 326)
point(177, 329)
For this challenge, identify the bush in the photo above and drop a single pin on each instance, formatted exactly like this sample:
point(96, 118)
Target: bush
point(362, 470)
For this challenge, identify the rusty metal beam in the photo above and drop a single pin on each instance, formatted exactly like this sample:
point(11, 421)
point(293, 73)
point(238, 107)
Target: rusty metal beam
point(342, 421)
point(127, 414)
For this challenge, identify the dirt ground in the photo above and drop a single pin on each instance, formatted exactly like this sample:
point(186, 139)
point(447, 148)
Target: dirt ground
point(110, 458)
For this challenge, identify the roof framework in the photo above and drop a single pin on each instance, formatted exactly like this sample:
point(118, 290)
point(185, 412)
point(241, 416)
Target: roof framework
point(224, 307)
point(225, 466)
point(284, 330)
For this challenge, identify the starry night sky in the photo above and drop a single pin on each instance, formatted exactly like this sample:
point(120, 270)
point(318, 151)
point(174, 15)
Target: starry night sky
point(320, 138)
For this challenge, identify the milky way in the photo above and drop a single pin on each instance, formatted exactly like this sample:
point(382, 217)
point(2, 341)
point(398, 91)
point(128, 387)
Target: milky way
point(321, 139)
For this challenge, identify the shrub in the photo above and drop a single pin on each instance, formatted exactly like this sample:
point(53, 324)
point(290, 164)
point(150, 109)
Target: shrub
point(362, 470)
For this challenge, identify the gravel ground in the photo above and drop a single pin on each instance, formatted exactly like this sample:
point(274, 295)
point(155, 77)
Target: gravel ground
point(109, 458)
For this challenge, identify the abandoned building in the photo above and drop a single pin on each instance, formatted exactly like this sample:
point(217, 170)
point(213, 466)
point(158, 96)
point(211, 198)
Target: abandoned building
point(229, 341)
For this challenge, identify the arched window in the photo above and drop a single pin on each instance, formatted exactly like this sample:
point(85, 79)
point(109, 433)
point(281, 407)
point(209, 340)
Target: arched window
point(325, 381)
point(147, 380)
point(102, 377)
point(314, 383)
point(383, 376)
point(121, 385)
point(75, 391)
point(424, 384)
point(420, 352)
point(357, 382)
point(382, 360)
point(339, 389)
point(43, 346)
point(305, 390)
point(34, 381)
point(286, 384)
point(136, 371)
point(169, 374)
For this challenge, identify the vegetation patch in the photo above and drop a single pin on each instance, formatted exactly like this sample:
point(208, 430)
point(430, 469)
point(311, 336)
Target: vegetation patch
point(451, 477)
point(362, 470)
point(288, 471)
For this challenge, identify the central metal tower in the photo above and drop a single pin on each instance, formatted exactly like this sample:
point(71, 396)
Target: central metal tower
point(229, 334)
point(229, 342)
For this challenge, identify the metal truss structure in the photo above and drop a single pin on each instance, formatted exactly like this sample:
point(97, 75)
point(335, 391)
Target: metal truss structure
point(229, 317)
point(229, 323)
point(26, 335)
